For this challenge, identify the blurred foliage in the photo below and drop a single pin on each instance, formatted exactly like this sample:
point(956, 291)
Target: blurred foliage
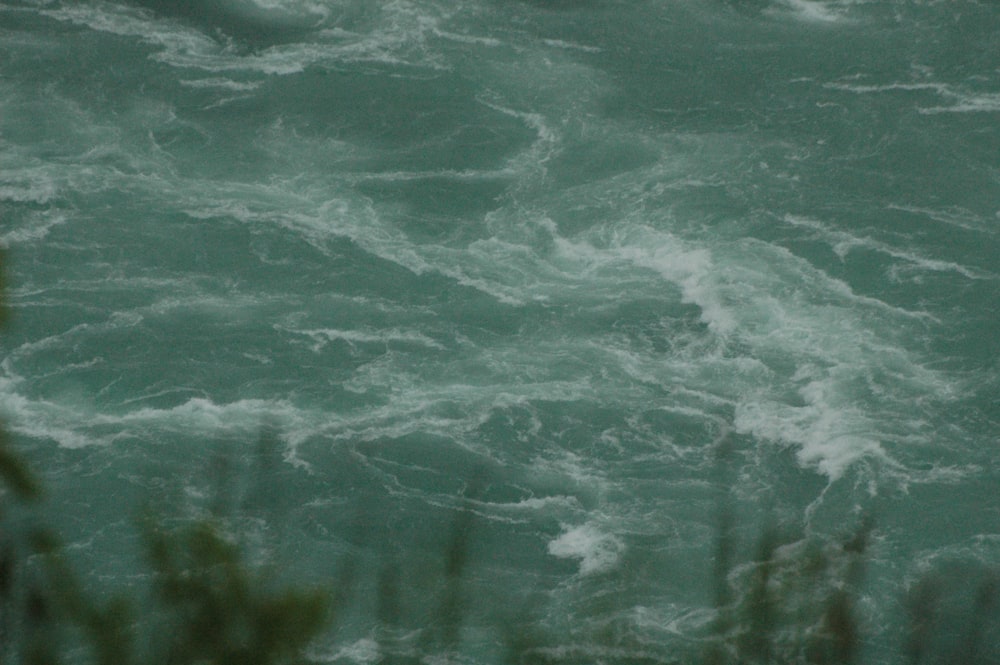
point(13, 472)
point(211, 606)
point(797, 605)
point(227, 612)
point(794, 602)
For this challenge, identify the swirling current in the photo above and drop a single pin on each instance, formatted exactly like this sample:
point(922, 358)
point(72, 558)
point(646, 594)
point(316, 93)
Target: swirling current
point(589, 274)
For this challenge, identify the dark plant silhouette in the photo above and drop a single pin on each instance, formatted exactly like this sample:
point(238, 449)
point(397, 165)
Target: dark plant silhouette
point(227, 612)
point(211, 605)
point(793, 601)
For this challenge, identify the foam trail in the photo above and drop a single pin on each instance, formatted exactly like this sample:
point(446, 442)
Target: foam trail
point(40, 228)
point(958, 217)
point(218, 82)
point(842, 243)
point(968, 103)
point(559, 43)
point(963, 101)
point(324, 336)
point(940, 88)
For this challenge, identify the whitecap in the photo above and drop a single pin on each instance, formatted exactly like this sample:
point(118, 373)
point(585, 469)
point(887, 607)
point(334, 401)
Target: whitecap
point(690, 269)
point(42, 419)
point(597, 551)
point(829, 436)
point(204, 415)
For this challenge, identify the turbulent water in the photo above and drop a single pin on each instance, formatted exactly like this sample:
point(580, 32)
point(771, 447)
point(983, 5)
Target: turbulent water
point(567, 279)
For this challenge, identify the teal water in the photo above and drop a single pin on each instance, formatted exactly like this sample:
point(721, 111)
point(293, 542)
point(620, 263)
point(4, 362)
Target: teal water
point(524, 267)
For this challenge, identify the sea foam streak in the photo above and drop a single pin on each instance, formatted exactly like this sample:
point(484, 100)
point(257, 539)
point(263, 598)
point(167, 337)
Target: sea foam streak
point(843, 243)
point(39, 228)
point(399, 41)
point(963, 101)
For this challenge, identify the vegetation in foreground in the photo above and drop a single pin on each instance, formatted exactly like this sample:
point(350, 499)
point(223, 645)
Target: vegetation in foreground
point(211, 605)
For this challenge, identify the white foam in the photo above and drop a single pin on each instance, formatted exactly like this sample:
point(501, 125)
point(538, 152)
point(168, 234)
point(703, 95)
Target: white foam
point(42, 419)
point(842, 243)
point(38, 229)
point(690, 269)
point(323, 336)
point(504, 294)
point(27, 186)
point(968, 103)
point(219, 82)
point(318, 222)
point(820, 282)
point(778, 309)
point(751, 295)
point(228, 305)
point(205, 415)
point(481, 266)
point(534, 504)
point(131, 22)
point(559, 43)
point(952, 216)
point(829, 435)
point(72, 421)
point(299, 11)
point(597, 551)
point(365, 650)
point(963, 101)
point(467, 39)
point(812, 11)
point(940, 88)
point(65, 437)
point(67, 337)
point(983, 548)
point(398, 40)
point(447, 174)
point(544, 146)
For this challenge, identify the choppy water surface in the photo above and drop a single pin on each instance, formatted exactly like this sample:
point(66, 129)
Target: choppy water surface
point(523, 267)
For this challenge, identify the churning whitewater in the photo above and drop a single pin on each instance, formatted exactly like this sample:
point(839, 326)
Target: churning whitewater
point(584, 274)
